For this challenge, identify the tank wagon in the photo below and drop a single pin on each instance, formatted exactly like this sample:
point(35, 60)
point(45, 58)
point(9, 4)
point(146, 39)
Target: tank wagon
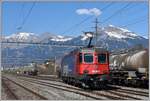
point(27, 70)
point(86, 66)
point(130, 68)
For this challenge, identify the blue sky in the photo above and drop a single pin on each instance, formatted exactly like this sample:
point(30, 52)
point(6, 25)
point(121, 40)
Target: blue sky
point(57, 17)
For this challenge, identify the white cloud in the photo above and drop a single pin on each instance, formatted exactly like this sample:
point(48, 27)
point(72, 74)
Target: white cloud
point(93, 11)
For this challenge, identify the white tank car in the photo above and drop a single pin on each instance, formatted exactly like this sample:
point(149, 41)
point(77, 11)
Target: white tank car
point(138, 60)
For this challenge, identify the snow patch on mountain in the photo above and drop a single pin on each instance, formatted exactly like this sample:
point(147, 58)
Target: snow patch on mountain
point(22, 36)
point(53, 37)
point(118, 32)
point(124, 30)
point(26, 37)
point(61, 39)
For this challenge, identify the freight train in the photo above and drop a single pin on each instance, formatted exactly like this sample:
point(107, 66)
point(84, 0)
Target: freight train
point(131, 68)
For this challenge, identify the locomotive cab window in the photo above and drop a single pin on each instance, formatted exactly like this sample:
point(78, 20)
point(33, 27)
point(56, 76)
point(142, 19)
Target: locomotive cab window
point(88, 58)
point(102, 58)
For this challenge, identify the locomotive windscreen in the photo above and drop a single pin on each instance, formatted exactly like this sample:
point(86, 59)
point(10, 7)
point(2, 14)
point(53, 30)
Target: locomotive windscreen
point(88, 58)
point(102, 58)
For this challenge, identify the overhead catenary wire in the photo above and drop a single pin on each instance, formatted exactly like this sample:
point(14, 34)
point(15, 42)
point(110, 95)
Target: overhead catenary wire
point(76, 25)
point(22, 59)
point(22, 11)
point(21, 15)
point(44, 44)
point(121, 10)
point(27, 16)
point(39, 43)
point(107, 6)
point(130, 8)
point(135, 22)
point(39, 58)
point(117, 12)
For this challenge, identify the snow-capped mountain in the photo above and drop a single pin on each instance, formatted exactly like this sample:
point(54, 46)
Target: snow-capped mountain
point(118, 32)
point(111, 37)
point(28, 37)
point(110, 32)
point(22, 37)
point(60, 38)
point(114, 32)
point(52, 37)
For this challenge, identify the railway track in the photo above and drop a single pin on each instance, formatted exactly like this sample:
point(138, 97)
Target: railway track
point(119, 93)
point(133, 92)
point(73, 89)
point(59, 80)
point(86, 94)
point(130, 89)
point(64, 88)
point(21, 86)
point(42, 77)
point(9, 92)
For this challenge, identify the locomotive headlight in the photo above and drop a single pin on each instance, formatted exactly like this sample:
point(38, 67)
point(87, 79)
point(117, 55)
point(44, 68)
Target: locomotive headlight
point(95, 71)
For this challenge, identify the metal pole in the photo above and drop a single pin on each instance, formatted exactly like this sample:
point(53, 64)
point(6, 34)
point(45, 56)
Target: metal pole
point(96, 22)
point(55, 66)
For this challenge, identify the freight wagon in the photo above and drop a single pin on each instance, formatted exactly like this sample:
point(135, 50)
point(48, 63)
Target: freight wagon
point(130, 68)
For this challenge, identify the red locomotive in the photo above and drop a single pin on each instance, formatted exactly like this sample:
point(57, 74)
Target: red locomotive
point(87, 66)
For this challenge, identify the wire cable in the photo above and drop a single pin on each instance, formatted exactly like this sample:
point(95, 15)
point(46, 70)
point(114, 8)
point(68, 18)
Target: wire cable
point(117, 12)
point(27, 16)
point(21, 15)
point(78, 24)
point(135, 22)
point(107, 6)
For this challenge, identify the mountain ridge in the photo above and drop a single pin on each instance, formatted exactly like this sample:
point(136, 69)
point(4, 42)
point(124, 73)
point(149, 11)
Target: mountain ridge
point(110, 37)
